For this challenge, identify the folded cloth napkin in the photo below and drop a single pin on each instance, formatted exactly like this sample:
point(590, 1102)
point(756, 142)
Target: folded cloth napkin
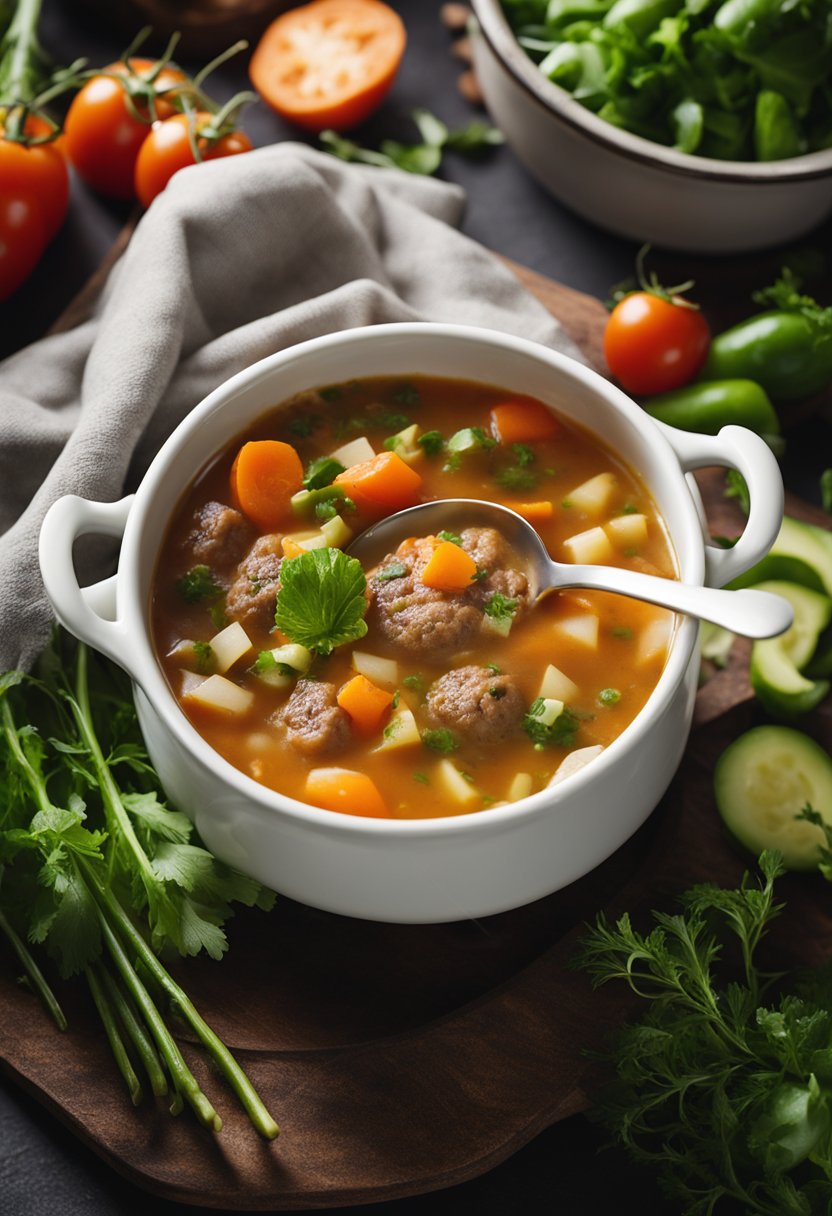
point(236, 259)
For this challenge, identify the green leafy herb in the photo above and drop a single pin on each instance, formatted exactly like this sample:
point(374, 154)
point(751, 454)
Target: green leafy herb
point(422, 778)
point(423, 158)
point(479, 574)
point(449, 536)
point(495, 667)
point(266, 663)
point(560, 733)
point(515, 478)
point(394, 570)
point(415, 683)
point(197, 585)
point(407, 394)
point(500, 607)
point(326, 510)
point(431, 442)
point(216, 613)
point(621, 631)
point(321, 472)
point(442, 740)
point(392, 421)
point(810, 815)
point(303, 426)
point(498, 691)
point(332, 393)
point(523, 454)
point(321, 601)
point(206, 660)
point(609, 696)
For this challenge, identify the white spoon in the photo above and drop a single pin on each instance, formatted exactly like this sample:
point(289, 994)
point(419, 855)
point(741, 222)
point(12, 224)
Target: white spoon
point(754, 614)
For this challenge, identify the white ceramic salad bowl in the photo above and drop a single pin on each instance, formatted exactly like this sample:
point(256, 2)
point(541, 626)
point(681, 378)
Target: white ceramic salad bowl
point(412, 871)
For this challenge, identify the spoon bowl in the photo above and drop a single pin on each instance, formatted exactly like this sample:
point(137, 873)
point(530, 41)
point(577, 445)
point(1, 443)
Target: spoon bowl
point(753, 614)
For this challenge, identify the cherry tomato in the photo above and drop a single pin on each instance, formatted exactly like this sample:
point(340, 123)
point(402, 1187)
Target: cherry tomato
point(23, 238)
point(329, 63)
point(36, 171)
point(653, 344)
point(103, 136)
point(167, 149)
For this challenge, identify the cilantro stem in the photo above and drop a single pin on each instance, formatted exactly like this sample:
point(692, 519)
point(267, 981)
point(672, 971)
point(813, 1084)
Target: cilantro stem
point(33, 973)
point(34, 779)
point(110, 1024)
point(183, 1079)
point(137, 1035)
point(232, 1071)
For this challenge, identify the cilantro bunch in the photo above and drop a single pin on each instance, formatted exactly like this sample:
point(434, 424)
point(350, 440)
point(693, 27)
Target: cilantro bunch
point(101, 874)
point(723, 1086)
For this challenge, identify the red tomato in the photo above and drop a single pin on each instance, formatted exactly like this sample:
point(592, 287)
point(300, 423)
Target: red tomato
point(329, 63)
point(36, 171)
point(23, 238)
point(167, 149)
point(103, 136)
point(653, 345)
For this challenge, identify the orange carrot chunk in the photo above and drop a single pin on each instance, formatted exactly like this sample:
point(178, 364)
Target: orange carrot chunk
point(449, 568)
point(523, 421)
point(534, 512)
point(381, 485)
point(366, 704)
point(264, 477)
point(291, 548)
point(341, 789)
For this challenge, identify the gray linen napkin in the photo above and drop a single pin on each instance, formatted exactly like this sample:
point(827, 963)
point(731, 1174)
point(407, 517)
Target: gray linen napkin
point(235, 260)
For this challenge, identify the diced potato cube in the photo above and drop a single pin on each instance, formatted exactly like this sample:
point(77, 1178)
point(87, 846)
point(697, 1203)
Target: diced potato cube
point(627, 530)
point(404, 444)
point(521, 787)
point(354, 452)
point(189, 680)
point(375, 668)
point(556, 684)
point(592, 547)
point(499, 625)
point(336, 533)
point(593, 496)
point(400, 731)
point(453, 784)
point(293, 655)
point(222, 695)
point(582, 629)
point(549, 712)
point(305, 540)
point(574, 762)
point(654, 638)
point(229, 645)
point(196, 657)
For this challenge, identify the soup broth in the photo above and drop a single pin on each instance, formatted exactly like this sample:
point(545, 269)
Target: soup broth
point(460, 695)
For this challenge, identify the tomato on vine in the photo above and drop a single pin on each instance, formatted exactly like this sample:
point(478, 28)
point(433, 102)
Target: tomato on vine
point(180, 141)
point(31, 164)
point(655, 339)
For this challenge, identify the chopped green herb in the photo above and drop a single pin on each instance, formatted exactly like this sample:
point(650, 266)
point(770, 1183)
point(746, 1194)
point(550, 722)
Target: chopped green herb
point(332, 393)
point(523, 454)
point(441, 740)
point(326, 509)
point(302, 427)
point(422, 778)
point(497, 692)
point(449, 536)
point(416, 684)
point(471, 439)
point(431, 442)
point(487, 800)
point(500, 607)
point(321, 472)
point(479, 574)
point(495, 667)
point(266, 662)
point(396, 699)
point(393, 421)
point(198, 584)
point(629, 508)
point(515, 478)
point(453, 463)
point(321, 602)
point(205, 658)
point(567, 504)
point(408, 394)
point(469, 777)
point(609, 696)
point(630, 552)
point(560, 733)
point(621, 631)
point(425, 157)
point(216, 613)
point(394, 570)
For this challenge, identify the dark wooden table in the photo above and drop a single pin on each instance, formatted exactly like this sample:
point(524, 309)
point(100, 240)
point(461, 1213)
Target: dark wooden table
point(43, 1170)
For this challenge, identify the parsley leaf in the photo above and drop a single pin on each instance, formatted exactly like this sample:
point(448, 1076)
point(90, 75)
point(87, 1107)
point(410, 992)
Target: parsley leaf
point(321, 472)
point(500, 607)
point(451, 537)
point(442, 740)
point(321, 602)
point(198, 584)
point(560, 733)
point(431, 442)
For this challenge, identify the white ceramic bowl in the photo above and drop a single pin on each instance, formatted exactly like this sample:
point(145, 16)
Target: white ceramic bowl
point(417, 870)
point(630, 185)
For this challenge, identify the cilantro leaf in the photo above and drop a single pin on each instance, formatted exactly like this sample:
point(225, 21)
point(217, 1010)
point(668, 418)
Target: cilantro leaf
point(431, 442)
point(441, 740)
point(321, 472)
point(560, 733)
point(500, 607)
point(198, 584)
point(321, 602)
point(451, 537)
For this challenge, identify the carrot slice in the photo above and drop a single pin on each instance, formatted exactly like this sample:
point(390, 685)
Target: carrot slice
point(264, 477)
point(366, 704)
point(534, 512)
point(290, 547)
point(329, 63)
point(341, 789)
point(449, 568)
point(523, 421)
point(381, 485)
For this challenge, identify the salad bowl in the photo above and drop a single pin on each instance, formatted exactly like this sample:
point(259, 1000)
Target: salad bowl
point(418, 870)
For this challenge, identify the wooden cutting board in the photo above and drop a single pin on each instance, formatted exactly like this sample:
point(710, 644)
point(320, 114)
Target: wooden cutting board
point(402, 1059)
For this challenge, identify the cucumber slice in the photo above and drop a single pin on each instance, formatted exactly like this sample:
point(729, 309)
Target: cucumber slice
point(802, 554)
point(777, 663)
point(763, 781)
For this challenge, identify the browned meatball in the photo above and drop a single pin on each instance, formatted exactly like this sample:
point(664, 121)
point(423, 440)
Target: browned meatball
point(251, 597)
point(434, 623)
point(220, 535)
point(314, 723)
point(476, 704)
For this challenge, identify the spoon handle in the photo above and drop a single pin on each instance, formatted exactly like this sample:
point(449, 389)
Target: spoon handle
point(753, 614)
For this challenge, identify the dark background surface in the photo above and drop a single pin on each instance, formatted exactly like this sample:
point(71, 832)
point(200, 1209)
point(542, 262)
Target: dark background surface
point(43, 1169)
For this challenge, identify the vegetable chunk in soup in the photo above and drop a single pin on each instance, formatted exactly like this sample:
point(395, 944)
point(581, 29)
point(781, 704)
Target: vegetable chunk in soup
point(428, 685)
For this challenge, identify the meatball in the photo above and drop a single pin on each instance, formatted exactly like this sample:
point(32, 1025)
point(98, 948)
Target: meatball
point(251, 597)
point(314, 723)
point(422, 620)
point(219, 536)
point(481, 707)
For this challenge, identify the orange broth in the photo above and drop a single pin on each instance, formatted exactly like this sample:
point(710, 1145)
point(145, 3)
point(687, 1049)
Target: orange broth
point(632, 637)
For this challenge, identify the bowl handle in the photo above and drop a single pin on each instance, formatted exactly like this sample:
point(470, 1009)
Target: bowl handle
point(736, 448)
point(88, 612)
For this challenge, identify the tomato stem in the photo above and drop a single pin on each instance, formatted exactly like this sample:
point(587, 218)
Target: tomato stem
point(673, 295)
point(22, 56)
